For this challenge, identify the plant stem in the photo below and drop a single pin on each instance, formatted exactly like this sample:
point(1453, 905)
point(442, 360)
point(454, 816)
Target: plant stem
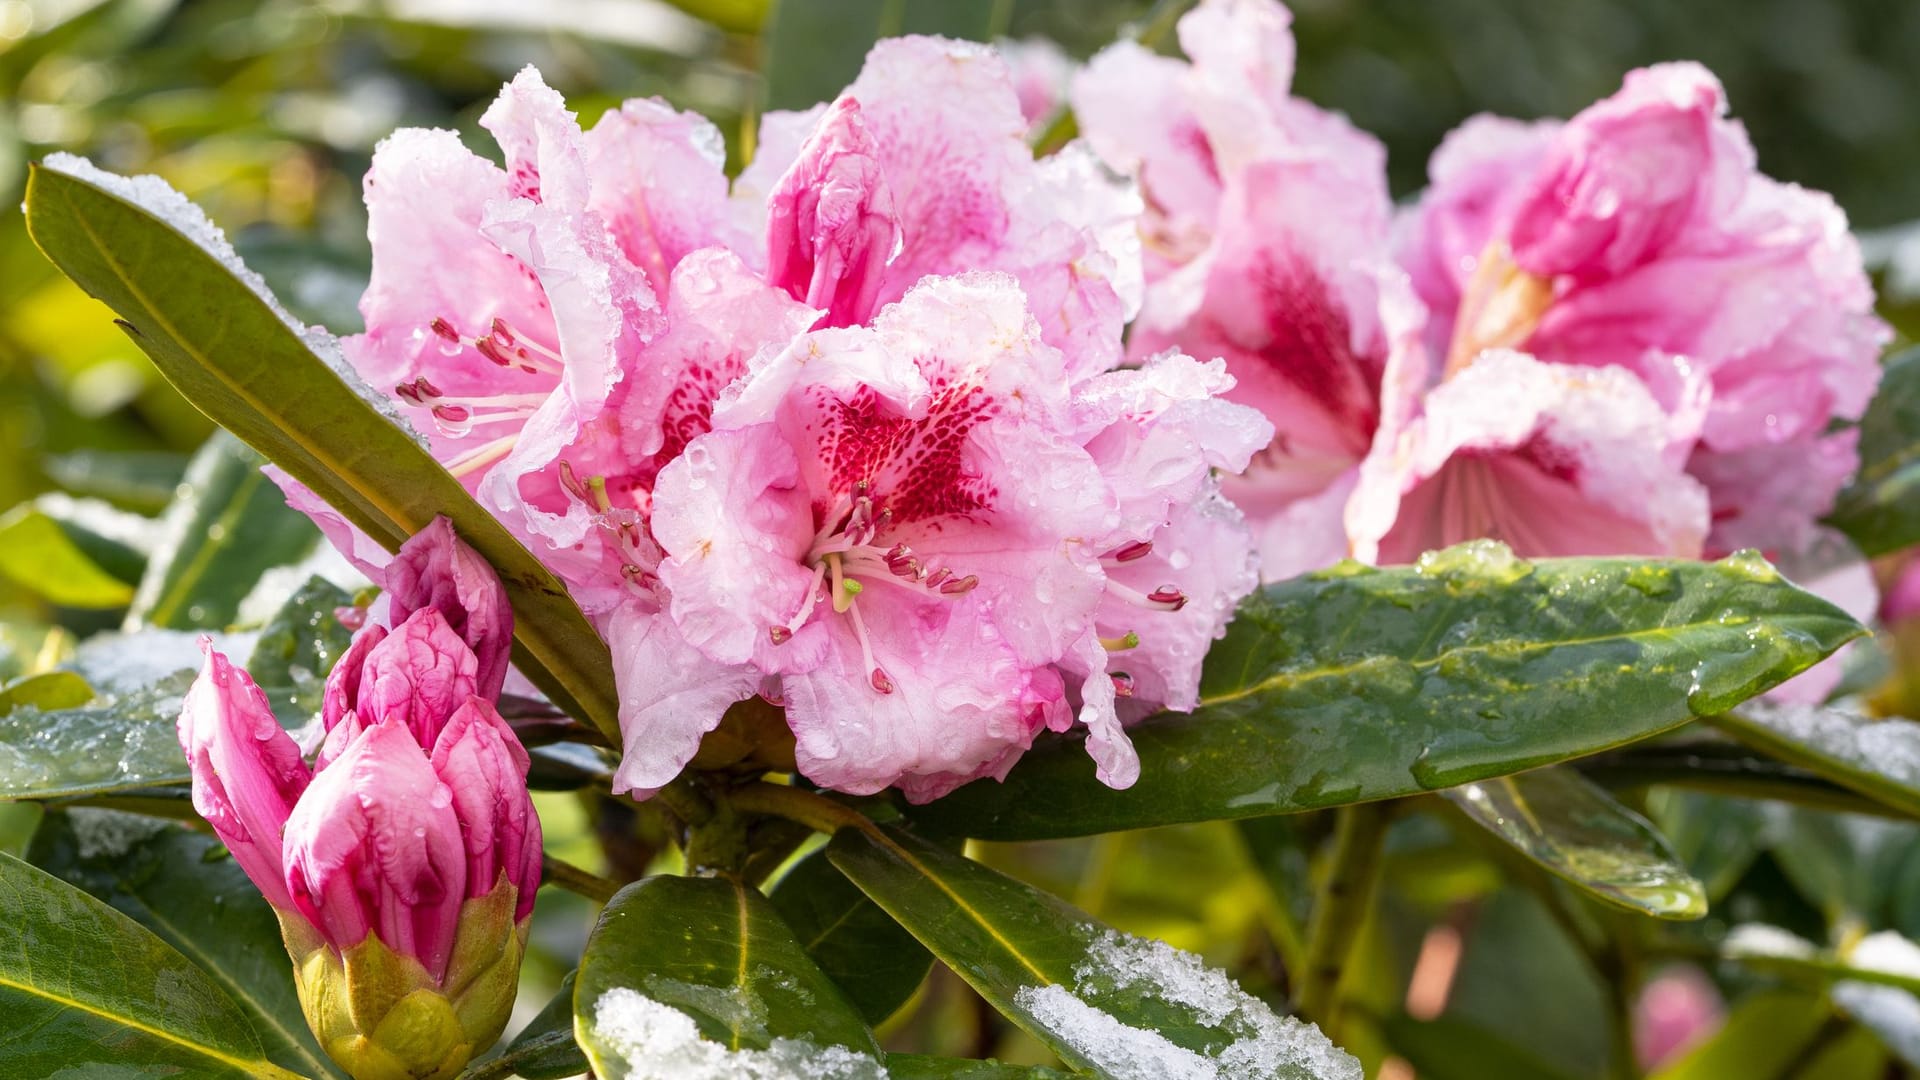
point(816, 812)
point(575, 880)
point(1340, 908)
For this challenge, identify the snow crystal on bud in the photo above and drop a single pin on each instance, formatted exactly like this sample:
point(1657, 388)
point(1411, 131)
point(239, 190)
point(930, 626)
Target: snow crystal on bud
point(658, 1042)
point(1259, 1044)
point(157, 197)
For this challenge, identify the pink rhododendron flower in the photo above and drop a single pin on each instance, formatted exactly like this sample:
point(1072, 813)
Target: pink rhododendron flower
point(413, 841)
point(1638, 234)
point(666, 391)
point(1042, 75)
point(1675, 1011)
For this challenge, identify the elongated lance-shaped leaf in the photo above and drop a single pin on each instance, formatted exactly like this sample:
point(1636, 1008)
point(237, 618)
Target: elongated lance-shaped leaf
point(226, 348)
point(1879, 758)
point(84, 988)
point(1120, 1006)
point(73, 552)
point(185, 888)
point(1572, 828)
point(875, 963)
point(1356, 684)
point(715, 952)
point(228, 526)
point(1880, 510)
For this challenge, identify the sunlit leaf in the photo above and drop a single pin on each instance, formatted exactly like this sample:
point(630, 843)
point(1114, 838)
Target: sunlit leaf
point(236, 359)
point(1100, 1000)
point(86, 990)
point(73, 552)
point(185, 888)
point(1357, 684)
point(52, 690)
point(1575, 830)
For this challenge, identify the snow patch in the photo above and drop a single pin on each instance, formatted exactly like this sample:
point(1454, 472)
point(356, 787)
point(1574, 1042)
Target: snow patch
point(157, 197)
point(658, 1042)
point(1253, 1041)
point(1888, 952)
point(1762, 940)
point(124, 663)
point(1889, 748)
point(110, 833)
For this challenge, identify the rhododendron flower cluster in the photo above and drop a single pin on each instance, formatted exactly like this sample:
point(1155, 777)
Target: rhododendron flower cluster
point(853, 435)
point(1611, 335)
point(935, 444)
point(403, 864)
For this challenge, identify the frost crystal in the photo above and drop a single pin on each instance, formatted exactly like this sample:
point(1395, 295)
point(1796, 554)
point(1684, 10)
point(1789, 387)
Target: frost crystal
point(1889, 748)
point(157, 197)
point(123, 663)
point(658, 1042)
point(111, 833)
point(1253, 1042)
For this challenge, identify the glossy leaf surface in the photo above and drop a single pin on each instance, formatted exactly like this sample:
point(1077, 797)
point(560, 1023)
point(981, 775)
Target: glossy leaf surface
point(1357, 684)
point(183, 887)
point(716, 951)
point(224, 348)
point(1571, 827)
point(83, 987)
point(1100, 1000)
point(117, 741)
point(1879, 758)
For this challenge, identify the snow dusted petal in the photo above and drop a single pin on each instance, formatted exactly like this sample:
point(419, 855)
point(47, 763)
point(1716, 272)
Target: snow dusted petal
point(831, 229)
point(376, 845)
point(247, 772)
point(1115, 763)
point(542, 142)
point(1771, 497)
point(1551, 460)
point(658, 184)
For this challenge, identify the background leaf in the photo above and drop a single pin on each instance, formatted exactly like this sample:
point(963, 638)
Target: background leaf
point(83, 987)
point(876, 963)
point(1357, 684)
point(186, 889)
point(543, 1050)
point(1880, 510)
point(1880, 758)
point(228, 526)
point(235, 359)
point(62, 549)
point(814, 48)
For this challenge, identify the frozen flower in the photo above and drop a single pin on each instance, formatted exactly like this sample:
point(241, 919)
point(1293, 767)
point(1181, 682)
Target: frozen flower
point(403, 866)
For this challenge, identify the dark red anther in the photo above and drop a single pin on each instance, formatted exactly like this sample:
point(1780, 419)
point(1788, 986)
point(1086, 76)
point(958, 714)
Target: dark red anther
point(504, 333)
point(960, 585)
point(1139, 549)
point(452, 414)
point(780, 634)
point(493, 352)
point(445, 329)
point(881, 682)
point(1167, 594)
point(933, 580)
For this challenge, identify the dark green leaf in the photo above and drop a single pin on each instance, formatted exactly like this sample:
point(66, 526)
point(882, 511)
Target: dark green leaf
point(140, 480)
point(718, 952)
point(84, 990)
point(1563, 822)
point(1100, 1000)
point(185, 888)
point(297, 649)
point(53, 690)
point(1357, 684)
point(875, 963)
point(1880, 510)
point(118, 741)
point(814, 48)
point(1449, 1048)
point(229, 525)
point(240, 363)
point(544, 1050)
point(1878, 758)
point(924, 1067)
point(73, 552)
point(1763, 1036)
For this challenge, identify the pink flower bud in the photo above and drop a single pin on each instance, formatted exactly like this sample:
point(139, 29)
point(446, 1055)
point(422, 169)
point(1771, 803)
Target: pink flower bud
point(247, 772)
point(436, 570)
point(419, 674)
point(375, 846)
point(483, 765)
